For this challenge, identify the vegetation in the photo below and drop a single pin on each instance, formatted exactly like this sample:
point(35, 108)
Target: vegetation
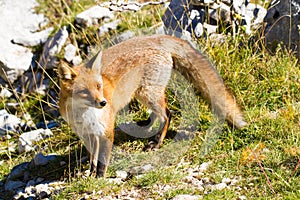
point(263, 157)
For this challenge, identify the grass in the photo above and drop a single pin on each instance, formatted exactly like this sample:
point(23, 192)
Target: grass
point(262, 157)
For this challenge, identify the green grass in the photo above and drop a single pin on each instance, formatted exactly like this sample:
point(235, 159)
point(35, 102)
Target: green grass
point(266, 86)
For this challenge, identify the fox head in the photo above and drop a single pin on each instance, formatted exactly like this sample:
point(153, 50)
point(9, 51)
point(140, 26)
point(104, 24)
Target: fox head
point(82, 84)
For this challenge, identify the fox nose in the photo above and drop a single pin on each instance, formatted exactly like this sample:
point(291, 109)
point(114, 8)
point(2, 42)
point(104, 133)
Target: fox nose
point(103, 103)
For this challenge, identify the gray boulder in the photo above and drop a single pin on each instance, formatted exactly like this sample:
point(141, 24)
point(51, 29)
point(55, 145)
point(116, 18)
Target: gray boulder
point(283, 20)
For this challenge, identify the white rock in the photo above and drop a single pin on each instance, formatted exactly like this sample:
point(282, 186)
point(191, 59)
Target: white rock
point(93, 15)
point(105, 28)
point(70, 52)
point(116, 181)
point(8, 122)
point(226, 180)
point(141, 169)
point(204, 166)
point(187, 197)
point(121, 174)
point(123, 36)
point(242, 197)
point(27, 139)
point(219, 186)
point(20, 24)
point(5, 93)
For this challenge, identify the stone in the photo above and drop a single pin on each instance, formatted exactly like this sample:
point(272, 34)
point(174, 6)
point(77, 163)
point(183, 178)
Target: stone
point(8, 122)
point(242, 197)
point(53, 46)
point(27, 139)
point(42, 190)
point(105, 28)
point(18, 171)
point(121, 174)
point(70, 52)
point(41, 160)
point(204, 166)
point(282, 25)
point(93, 16)
point(187, 197)
point(5, 93)
point(195, 182)
point(226, 180)
point(176, 18)
point(219, 186)
point(141, 169)
point(13, 185)
point(19, 25)
point(123, 36)
point(198, 16)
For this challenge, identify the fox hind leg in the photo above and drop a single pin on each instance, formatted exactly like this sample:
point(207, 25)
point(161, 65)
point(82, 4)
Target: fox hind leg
point(154, 98)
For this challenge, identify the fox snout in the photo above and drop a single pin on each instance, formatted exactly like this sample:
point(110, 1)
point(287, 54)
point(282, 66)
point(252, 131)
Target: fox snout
point(100, 104)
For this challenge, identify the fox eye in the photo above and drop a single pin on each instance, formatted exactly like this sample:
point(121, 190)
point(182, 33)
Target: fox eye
point(98, 86)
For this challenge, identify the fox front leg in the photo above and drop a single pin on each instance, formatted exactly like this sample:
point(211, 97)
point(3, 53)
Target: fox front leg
point(100, 161)
point(99, 148)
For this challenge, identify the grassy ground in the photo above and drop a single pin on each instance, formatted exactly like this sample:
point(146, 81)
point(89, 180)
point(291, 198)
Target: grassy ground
point(262, 157)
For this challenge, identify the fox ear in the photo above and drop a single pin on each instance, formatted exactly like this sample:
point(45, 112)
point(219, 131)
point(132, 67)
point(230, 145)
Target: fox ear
point(65, 71)
point(97, 63)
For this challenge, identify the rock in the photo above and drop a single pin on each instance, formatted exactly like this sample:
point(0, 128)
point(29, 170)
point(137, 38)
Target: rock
point(53, 46)
point(176, 17)
point(105, 28)
point(123, 36)
point(18, 171)
point(219, 186)
point(5, 93)
point(195, 182)
point(253, 16)
point(19, 24)
point(8, 122)
point(40, 160)
point(13, 185)
point(283, 26)
point(204, 166)
point(121, 174)
point(27, 139)
point(203, 18)
point(141, 169)
point(226, 180)
point(93, 15)
point(242, 197)
point(42, 190)
point(117, 181)
point(70, 52)
point(34, 39)
point(187, 197)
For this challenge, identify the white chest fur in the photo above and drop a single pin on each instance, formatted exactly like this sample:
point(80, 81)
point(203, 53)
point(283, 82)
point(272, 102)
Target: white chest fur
point(87, 121)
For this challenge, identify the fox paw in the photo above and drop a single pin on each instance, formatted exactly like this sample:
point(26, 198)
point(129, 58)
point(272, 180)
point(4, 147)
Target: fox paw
point(99, 170)
point(152, 146)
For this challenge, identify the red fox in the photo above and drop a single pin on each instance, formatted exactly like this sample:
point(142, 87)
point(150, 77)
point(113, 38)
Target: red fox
point(92, 93)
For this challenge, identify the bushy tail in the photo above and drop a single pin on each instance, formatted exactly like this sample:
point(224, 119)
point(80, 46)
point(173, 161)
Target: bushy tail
point(197, 68)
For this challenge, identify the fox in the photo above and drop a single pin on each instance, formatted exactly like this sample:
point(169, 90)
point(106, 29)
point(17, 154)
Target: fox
point(92, 93)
